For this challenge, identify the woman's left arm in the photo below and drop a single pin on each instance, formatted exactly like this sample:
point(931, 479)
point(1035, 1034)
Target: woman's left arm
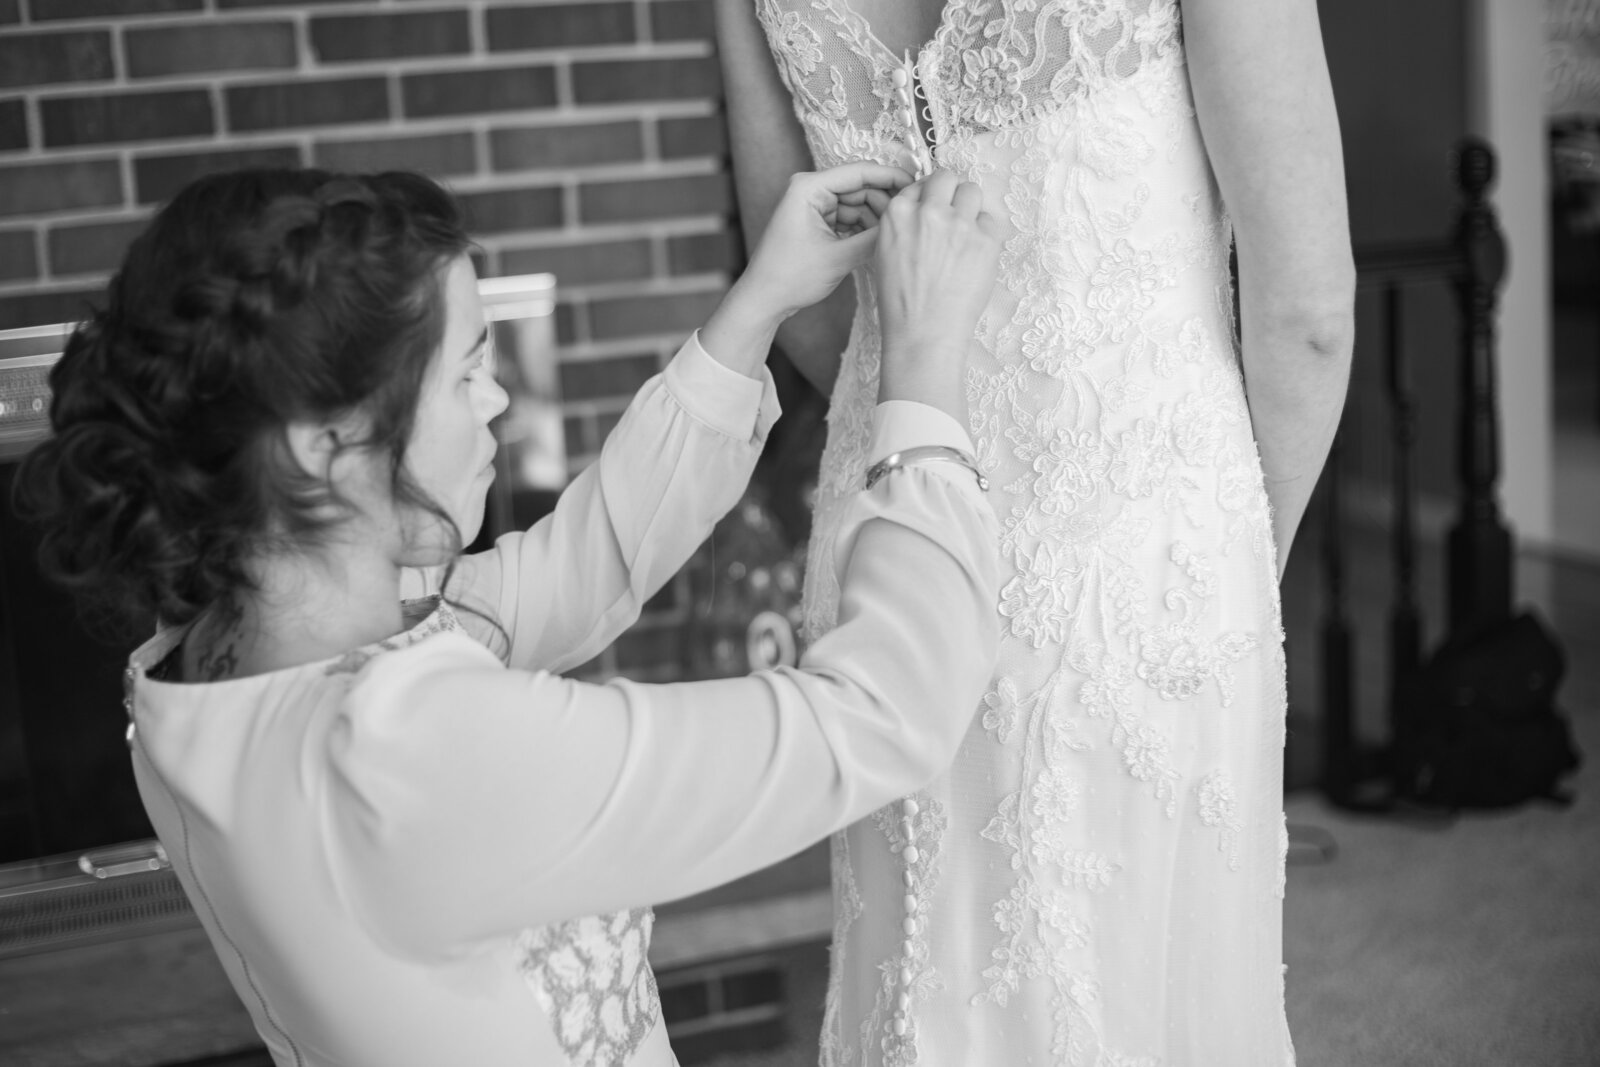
point(1266, 111)
point(676, 463)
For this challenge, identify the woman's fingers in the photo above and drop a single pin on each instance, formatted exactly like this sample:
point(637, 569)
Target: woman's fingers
point(940, 187)
point(943, 189)
point(854, 177)
point(848, 218)
point(876, 199)
point(968, 200)
point(911, 194)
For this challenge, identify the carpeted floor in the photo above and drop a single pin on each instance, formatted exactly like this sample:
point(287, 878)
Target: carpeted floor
point(1473, 944)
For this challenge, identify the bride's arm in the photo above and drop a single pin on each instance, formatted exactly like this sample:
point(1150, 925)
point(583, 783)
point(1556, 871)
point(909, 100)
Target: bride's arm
point(1266, 110)
point(768, 147)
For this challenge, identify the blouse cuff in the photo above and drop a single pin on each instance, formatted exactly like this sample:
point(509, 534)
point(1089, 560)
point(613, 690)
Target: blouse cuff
point(730, 403)
point(901, 424)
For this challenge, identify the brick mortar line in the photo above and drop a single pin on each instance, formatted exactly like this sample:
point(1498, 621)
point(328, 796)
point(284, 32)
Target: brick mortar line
point(219, 112)
point(54, 287)
point(157, 19)
point(495, 242)
point(566, 90)
point(588, 174)
point(40, 250)
point(660, 257)
point(688, 107)
point(559, 115)
point(33, 120)
point(660, 284)
point(395, 97)
point(650, 140)
point(482, 151)
point(510, 58)
point(571, 204)
point(677, 226)
point(119, 57)
point(128, 178)
point(210, 13)
point(304, 61)
point(308, 66)
point(697, 222)
point(698, 282)
point(478, 28)
point(376, 129)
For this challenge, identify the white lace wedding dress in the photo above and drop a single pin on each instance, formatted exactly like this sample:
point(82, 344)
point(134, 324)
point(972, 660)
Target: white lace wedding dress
point(1099, 878)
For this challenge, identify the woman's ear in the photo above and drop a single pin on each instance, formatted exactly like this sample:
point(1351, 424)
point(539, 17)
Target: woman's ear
point(313, 446)
point(316, 444)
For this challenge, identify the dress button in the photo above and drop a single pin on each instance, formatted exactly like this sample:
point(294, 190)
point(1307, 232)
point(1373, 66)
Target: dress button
point(908, 948)
point(905, 976)
point(904, 1002)
point(899, 77)
point(911, 854)
point(906, 877)
point(909, 808)
point(908, 829)
point(909, 925)
point(899, 1026)
point(911, 904)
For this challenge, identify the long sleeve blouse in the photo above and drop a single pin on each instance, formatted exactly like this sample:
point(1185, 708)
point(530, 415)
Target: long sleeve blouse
point(436, 850)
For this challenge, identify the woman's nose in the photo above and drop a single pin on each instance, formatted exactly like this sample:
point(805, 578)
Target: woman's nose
point(498, 399)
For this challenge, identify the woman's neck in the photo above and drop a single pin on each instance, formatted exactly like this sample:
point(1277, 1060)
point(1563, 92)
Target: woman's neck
point(302, 610)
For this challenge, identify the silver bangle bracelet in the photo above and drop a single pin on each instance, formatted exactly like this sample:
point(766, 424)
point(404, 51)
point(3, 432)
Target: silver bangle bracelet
point(925, 454)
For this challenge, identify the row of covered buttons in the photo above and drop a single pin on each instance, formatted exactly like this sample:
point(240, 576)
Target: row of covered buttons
point(901, 76)
point(908, 813)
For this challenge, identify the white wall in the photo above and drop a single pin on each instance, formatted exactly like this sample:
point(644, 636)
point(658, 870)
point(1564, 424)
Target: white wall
point(1505, 104)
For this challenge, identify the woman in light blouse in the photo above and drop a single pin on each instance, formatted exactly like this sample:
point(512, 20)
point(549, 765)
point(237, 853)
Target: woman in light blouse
point(410, 840)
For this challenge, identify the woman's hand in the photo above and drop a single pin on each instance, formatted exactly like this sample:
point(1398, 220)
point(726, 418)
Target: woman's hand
point(936, 262)
point(823, 228)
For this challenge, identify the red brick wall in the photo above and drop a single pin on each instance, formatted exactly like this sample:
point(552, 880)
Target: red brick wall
point(582, 137)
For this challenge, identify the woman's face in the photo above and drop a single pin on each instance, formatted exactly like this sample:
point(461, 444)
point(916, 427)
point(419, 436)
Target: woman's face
point(451, 454)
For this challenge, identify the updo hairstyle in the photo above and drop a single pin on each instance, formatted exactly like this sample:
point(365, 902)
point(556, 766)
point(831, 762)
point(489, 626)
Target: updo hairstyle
point(253, 299)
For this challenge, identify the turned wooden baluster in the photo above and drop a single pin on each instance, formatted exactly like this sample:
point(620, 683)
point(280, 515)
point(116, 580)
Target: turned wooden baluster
point(1479, 543)
point(1405, 617)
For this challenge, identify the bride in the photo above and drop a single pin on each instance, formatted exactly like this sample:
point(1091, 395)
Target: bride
point(1098, 879)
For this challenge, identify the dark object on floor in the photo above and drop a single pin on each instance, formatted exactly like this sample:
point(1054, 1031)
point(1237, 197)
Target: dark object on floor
point(1484, 730)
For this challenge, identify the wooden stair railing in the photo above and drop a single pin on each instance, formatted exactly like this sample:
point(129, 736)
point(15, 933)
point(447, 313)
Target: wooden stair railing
point(1479, 547)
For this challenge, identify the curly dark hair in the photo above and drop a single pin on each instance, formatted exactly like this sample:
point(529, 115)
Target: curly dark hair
point(253, 299)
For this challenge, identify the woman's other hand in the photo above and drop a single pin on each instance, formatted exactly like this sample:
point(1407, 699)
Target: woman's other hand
point(824, 227)
point(936, 262)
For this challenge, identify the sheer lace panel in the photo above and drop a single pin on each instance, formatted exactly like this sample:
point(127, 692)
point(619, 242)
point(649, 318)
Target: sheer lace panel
point(992, 65)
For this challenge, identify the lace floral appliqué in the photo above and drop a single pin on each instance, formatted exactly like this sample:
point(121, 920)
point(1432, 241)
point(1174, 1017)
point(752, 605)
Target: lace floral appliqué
point(591, 978)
